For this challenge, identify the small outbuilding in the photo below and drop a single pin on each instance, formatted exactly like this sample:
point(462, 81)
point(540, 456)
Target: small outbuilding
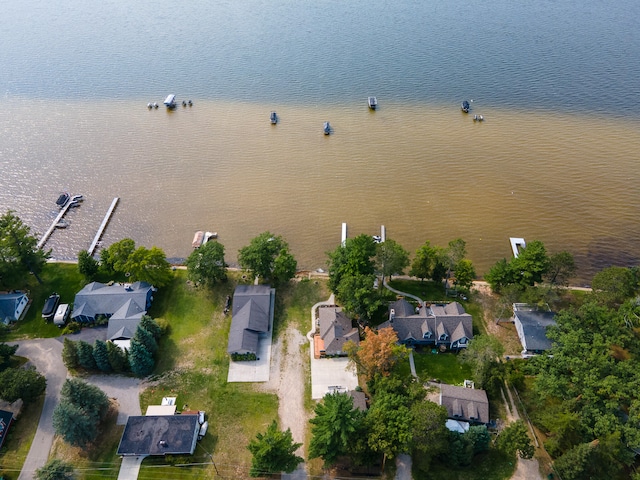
point(532, 324)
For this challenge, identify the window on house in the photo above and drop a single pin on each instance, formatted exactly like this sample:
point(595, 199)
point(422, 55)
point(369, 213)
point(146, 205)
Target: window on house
point(426, 335)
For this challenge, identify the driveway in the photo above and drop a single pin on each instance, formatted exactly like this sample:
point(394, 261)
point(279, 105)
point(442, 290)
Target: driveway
point(46, 355)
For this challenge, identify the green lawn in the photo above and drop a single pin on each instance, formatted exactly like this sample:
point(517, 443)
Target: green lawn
point(427, 290)
point(492, 465)
point(445, 367)
point(61, 278)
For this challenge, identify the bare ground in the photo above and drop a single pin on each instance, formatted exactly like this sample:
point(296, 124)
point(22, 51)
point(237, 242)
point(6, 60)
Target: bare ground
point(287, 379)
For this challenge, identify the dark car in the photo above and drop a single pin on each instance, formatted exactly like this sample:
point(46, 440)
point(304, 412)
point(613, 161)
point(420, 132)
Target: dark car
point(50, 305)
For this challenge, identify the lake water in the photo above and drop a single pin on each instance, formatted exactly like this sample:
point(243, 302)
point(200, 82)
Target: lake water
point(556, 158)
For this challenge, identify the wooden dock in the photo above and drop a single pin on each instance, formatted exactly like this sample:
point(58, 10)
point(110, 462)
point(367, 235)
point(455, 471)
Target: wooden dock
point(62, 213)
point(103, 225)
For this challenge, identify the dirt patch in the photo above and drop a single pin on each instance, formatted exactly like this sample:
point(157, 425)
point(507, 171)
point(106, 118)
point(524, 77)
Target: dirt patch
point(287, 379)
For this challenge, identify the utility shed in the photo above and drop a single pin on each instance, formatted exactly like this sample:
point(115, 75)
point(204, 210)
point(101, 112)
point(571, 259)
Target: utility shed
point(159, 435)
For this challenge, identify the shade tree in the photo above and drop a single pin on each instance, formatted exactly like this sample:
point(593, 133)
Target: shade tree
point(206, 264)
point(391, 258)
point(377, 354)
point(268, 256)
point(273, 452)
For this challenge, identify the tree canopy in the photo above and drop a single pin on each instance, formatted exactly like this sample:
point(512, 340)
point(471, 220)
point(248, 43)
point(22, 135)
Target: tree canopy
point(19, 252)
point(528, 268)
point(334, 427)
point(377, 354)
point(515, 440)
point(55, 469)
point(206, 264)
point(268, 256)
point(391, 258)
point(139, 264)
point(354, 258)
point(273, 452)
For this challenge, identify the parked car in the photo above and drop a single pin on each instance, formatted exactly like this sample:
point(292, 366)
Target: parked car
point(62, 314)
point(50, 306)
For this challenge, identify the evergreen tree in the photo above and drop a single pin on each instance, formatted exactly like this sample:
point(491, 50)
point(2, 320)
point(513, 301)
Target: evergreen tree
point(117, 358)
point(24, 383)
point(101, 356)
point(55, 469)
point(73, 425)
point(150, 325)
point(70, 354)
point(85, 355)
point(140, 359)
point(93, 401)
point(146, 338)
point(273, 452)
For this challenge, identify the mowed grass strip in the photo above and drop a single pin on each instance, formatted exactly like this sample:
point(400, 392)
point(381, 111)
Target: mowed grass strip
point(445, 367)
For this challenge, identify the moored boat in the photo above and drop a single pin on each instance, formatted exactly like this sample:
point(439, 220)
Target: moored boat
point(373, 103)
point(273, 118)
point(170, 101)
point(326, 128)
point(465, 106)
point(62, 199)
point(198, 238)
point(478, 118)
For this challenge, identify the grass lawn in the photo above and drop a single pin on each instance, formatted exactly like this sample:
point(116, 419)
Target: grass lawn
point(426, 290)
point(193, 366)
point(445, 367)
point(18, 442)
point(62, 278)
point(97, 461)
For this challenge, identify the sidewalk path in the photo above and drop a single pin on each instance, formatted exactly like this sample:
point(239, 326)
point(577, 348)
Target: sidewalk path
point(398, 292)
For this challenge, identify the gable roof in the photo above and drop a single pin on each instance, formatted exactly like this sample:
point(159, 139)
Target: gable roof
point(100, 299)
point(251, 315)
point(438, 319)
point(463, 403)
point(336, 330)
point(6, 418)
point(9, 303)
point(534, 326)
point(159, 435)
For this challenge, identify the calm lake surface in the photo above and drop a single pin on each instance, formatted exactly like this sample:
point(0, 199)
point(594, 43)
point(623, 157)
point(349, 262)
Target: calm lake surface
point(556, 158)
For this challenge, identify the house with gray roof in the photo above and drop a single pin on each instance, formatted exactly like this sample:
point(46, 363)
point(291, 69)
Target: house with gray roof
point(159, 435)
point(12, 306)
point(252, 316)
point(531, 325)
point(441, 325)
point(335, 329)
point(463, 404)
point(123, 304)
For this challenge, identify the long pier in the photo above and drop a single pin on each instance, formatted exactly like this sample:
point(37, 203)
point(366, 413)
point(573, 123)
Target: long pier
point(72, 202)
point(103, 225)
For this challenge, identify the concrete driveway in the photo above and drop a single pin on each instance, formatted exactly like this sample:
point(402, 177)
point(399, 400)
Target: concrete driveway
point(329, 374)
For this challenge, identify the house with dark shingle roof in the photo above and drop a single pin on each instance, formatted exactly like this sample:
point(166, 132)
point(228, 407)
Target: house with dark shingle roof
point(531, 325)
point(123, 304)
point(443, 325)
point(463, 404)
point(12, 306)
point(252, 314)
point(159, 435)
point(6, 419)
point(335, 329)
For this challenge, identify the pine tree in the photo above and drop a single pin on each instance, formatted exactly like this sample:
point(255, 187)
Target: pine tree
point(146, 338)
point(117, 357)
point(273, 452)
point(140, 359)
point(150, 325)
point(85, 355)
point(70, 354)
point(101, 356)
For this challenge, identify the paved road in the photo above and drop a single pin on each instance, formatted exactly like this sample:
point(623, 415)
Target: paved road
point(46, 355)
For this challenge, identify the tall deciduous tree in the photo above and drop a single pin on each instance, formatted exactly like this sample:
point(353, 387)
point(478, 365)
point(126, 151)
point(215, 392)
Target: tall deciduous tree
point(483, 354)
point(389, 425)
point(429, 433)
point(206, 264)
point(268, 256)
point(562, 268)
point(377, 354)
point(19, 252)
point(273, 452)
point(465, 273)
point(613, 285)
point(424, 261)
point(149, 265)
point(334, 427)
point(515, 440)
point(87, 265)
point(391, 258)
point(358, 296)
point(353, 258)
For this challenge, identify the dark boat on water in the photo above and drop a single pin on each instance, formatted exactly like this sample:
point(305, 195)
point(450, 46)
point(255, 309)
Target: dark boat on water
point(465, 106)
point(326, 128)
point(62, 199)
point(373, 103)
point(273, 118)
